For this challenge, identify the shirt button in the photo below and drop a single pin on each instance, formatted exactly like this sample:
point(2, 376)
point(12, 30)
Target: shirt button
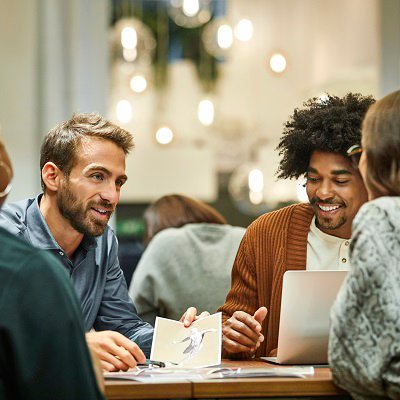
point(346, 243)
point(344, 260)
point(61, 253)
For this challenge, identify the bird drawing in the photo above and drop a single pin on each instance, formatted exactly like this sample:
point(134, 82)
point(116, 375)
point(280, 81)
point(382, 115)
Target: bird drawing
point(195, 339)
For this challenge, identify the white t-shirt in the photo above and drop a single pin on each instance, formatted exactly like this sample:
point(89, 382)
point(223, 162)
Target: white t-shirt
point(326, 252)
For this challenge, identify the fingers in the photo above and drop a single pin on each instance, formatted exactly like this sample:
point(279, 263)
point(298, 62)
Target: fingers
point(189, 316)
point(245, 324)
point(115, 351)
point(242, 332)
point(128, 351)
point(115, 363)
point(203, 315)
point(107, 366)
point(260, 314)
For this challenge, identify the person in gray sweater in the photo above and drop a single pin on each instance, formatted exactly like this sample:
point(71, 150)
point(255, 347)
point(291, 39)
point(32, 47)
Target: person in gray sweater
point(364, 344)
point(188, 259)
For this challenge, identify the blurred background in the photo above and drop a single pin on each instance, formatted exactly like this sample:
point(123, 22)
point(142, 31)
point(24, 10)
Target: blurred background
point(205, 86)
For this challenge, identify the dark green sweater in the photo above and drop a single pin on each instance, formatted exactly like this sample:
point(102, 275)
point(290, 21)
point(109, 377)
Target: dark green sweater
point(43, 352)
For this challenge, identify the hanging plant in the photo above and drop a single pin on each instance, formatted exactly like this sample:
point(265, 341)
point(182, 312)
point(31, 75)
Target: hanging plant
point(172, 41)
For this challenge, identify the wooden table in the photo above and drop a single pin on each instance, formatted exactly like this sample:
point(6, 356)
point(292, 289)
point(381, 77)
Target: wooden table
point(318, 386)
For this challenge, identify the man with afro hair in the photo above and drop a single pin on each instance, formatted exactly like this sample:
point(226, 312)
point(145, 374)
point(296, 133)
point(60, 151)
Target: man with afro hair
point(313, 236)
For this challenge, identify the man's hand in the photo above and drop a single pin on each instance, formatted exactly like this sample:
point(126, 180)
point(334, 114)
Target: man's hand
point(190, 316)
point(115, 351)
point(242, 332)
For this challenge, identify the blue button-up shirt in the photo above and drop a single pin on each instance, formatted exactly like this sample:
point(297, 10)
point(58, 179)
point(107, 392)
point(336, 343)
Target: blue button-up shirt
point(95, 272)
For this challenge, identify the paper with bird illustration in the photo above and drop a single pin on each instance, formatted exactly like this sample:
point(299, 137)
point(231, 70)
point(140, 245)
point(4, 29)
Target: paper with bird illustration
point(199, 345)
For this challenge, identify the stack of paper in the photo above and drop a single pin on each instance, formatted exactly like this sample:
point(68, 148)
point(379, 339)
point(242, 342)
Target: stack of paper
point(191, 374)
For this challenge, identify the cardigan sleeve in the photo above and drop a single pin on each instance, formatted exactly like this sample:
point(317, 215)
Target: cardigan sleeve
point(243, 293)
point(364, 350)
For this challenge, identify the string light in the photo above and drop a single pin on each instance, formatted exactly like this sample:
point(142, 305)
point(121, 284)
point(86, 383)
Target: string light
point(129, 54)
point(164, 135)
point(124, 111)
point(138, 83)
point(256, 180)
point(128, 37)
point(244, 30)
point(190, 7)
point(256, 186)
point(224, 37)
point(205, 112)
point(217, 37)
point(278, 63)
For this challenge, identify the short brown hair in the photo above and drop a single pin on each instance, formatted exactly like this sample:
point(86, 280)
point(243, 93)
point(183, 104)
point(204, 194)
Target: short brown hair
point(61, 143)
point(381, 142)
point(174, 211)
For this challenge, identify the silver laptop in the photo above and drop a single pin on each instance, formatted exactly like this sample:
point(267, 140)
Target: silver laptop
point(307, 297)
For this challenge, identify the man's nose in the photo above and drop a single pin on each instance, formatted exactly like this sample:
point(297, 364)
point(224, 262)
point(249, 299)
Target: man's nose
point(325, 191)
point(110, 193)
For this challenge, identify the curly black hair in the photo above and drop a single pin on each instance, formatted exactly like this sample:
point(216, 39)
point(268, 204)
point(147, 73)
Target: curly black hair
point(331, 124)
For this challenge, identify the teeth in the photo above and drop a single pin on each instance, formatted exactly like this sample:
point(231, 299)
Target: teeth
point(100, 211)
point(328, 208)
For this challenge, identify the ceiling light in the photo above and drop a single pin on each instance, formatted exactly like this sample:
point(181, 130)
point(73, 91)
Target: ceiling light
point(224, 37)
point(164, 135)
point(205, 112)
point(129, 37)
point(244, 30)
point(124, 111)
point(278, 63)
point(138, 83)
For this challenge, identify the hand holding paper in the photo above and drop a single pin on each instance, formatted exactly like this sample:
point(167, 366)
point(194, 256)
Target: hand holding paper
point(190, 316)
point(198, 345)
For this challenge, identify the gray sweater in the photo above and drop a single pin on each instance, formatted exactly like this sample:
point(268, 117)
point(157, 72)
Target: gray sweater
point(364, 345)
point(183, 267)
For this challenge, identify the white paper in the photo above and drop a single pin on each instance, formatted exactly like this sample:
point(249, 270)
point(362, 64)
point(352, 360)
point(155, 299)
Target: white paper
point(199, 345)
point(198, 374)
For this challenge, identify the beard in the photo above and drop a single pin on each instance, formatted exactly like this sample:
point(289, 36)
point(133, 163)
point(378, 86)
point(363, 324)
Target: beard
point(79, 215)
point(328, 223)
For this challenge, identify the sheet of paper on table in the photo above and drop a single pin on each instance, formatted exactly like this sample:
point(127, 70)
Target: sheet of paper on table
point(199, 345)
point(196, 374)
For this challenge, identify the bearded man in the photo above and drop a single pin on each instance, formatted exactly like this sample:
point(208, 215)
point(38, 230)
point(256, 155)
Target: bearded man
point(83, 170)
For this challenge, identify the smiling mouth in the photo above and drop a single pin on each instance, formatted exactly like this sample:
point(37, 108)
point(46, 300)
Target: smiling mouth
point(104, 213)
point(328, 208)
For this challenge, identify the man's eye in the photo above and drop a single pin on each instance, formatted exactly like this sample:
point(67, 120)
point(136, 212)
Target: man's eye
point(343, 182)
point(97, 177)
point(119, 182)
point(311, 179)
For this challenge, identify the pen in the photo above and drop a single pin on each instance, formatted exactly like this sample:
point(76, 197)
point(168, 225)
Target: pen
point(152, 363)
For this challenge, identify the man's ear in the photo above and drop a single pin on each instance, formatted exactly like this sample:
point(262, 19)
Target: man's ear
point(51, 176)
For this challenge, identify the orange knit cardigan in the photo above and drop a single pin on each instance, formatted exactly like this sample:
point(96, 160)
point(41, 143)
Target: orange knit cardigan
point(273, 243)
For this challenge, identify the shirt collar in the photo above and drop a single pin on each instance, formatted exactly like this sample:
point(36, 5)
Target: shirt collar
point(40, 234)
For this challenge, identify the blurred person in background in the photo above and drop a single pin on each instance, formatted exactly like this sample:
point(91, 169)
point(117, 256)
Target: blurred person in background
point(364, 345)
point(188, 258)
point(43, 352)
